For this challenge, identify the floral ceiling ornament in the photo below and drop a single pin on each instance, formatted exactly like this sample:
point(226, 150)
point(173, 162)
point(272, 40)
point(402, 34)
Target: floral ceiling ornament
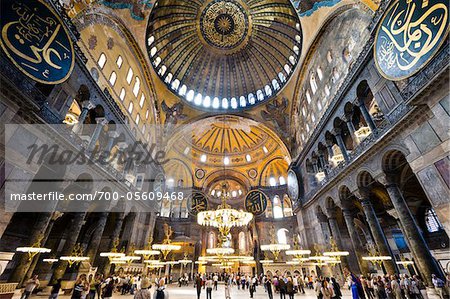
point(110, 43)
point(92, 42)
point(173, 114)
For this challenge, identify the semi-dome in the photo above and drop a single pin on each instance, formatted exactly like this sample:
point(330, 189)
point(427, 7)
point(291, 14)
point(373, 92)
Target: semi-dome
point(224, 54)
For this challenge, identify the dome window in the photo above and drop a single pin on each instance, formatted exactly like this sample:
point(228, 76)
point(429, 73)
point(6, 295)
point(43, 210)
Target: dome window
point(175, 84)
point(248, 158)
point(157, 61)
point(282, 180)
point(259, 95)
point(207, 102)
point(113, 78)
point(129, 75)
point(226, 161)
point(119, 61)
point(153, 51)
point(225, 103)
point(251, 98)
point(203, 158)
point(242, 101)
point(296, 50)
point(122, 94)
point(272, 181)
point(136, 87)
point(282, 77)
point(183, 90)
point(287, 69)
point(101, 60)
point(190, 95)
point(150, 40)
point(162, 70)
point(268, 90)
point(168, 78)
point(216, 103)
point(234, 103)
point(292, 60)
point(198, 99)
point(275, 84)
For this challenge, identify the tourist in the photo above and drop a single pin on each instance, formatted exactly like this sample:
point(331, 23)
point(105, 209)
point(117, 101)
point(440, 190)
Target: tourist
point(108, 289)
point(80, 288)
point(198, 284)
point(55, 289)
point(290, 288)
point(251, 287)
point(396, 288)
point(282, 287)
point(438, 285)
point(336, 288)
point(317, 289)
point(421, 286)
point(295, 283)
point(143, 292)
point(268, 285)
point(447, 284)
point(30, 285)
point(215, 281)
point(209, 286)
point(227, 289)
point(325, 290)
point(92, 287)
point(161, 292)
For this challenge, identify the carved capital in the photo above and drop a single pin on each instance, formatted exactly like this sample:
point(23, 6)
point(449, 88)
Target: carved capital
point(87, 105)
point(101, 121)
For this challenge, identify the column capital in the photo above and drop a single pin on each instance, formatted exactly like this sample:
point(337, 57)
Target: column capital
point(362, 193)
point(388, 179)
point(113, 134)
point(101, 120)
point(322, 217)
point(337, 131)
point(331, 213)
point(329, 142)
point(88, 105)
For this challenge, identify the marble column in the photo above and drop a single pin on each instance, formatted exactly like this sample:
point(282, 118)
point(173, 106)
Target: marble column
point(96, 237)
point(427, 264)
point(106, 266)
point(341, 145)
point(322, 161)
point(330, 152)
point(112, 135)
point(85, 107)
point(323, 221)
point(352, 130)
point(73, 231)
point(377, 232)
point(101, 121)
point(367, 116)
point(348, 217)
point(48, 230)
point(336, 233)
point(23, 262)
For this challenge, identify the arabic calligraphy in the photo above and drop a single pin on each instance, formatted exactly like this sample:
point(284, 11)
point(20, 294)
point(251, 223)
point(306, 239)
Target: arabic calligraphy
point(197, 202)
point(256, 202)
point(409, 35)
point(35, 40)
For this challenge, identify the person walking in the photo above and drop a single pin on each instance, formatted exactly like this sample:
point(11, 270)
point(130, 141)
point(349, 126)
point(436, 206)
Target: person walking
point(143, 292)
point(55, 289)
point(31, 284)
point(326, 293)
point(336, 288)
point(216, 281)
point(198, 285)
point(161, 292)
point(81, 287)
point(396, 288)
point(438, 285)
point(209, 286)
point(290, 288)
point(108, 289)
point(227, 289)
point(317, 289)
point(282, 287)
point(268, 285)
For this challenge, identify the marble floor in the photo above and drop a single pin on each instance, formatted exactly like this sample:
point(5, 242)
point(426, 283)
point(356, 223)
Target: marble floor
point(189, 292)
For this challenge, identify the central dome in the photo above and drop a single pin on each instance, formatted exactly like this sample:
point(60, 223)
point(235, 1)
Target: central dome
point(224, 54)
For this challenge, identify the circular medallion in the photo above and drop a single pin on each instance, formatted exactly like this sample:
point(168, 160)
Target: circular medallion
point(159, 183)
point(409, 35)
point(256, 202)
point(292, 182)
point(252, 173)
point(197, 202)
point(199, 173)
point(224, 24)
point(36, 40)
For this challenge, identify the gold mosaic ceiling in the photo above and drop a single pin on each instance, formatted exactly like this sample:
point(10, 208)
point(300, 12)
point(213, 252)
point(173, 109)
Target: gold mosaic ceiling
point(228, 146)
point(224, 54)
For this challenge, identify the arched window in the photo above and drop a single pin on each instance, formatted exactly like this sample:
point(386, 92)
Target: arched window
point(242, 242)
point(275, 84)
point(138, 119)
point(277, 209)
point(308, 97)
point(346, 55)
point(282, 180)
point(281, 77)
point(101, 60)
point(119, 61)
point(113, 78)
point(313, 83)
point(182, 90)
point(269, 209)
point(287, 206)
point(130, 108)
point(304, 111)
point(242, 101)
point(142, 101)
point(162, 70)
point(329, 56)
point(122, 94)
point(327, 90)
point(259, 95)
point(431, 221)
point(282, 236)
point(129, 75)
point(268, 90)
point(165, 208)
point(211, 240)
point(137, 86)
point(234, 103)
point(157, 61)
point(175, 84)
point(319, 73)
point(190, 95)
point(335, 74)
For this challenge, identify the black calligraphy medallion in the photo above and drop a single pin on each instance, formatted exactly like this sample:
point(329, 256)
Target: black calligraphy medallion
point(256, 202)
point(197, 202)
point(409, 35)
point(36, 41)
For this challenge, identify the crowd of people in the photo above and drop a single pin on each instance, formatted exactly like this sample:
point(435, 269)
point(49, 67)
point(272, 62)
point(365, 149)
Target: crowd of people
point(284, 285)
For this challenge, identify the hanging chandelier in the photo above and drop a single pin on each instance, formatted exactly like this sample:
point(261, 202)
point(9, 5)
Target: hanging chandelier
point(76, 256)
point(298, 252)
point(374, 256)
point(113, 254)
point(224, 217)
point(34, 249)
point(147, 252)
point(335, 254)
point(166, 247)
point(274, 247)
